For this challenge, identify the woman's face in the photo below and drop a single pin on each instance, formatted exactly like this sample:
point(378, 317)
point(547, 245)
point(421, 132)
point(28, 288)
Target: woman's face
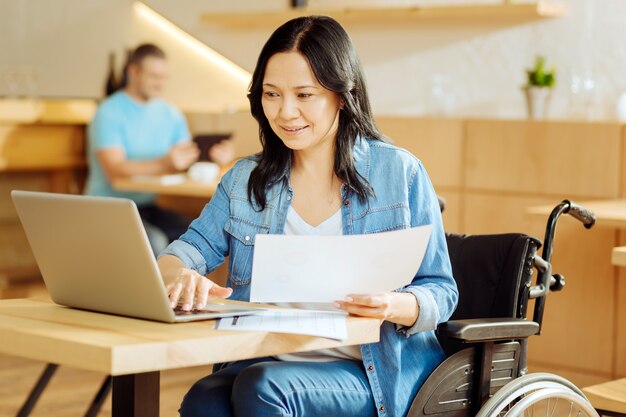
point(300, 111)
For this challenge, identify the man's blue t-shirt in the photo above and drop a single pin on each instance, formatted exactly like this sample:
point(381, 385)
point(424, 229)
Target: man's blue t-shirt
point(144, 131)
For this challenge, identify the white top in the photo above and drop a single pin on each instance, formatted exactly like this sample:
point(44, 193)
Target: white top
point(295, 225)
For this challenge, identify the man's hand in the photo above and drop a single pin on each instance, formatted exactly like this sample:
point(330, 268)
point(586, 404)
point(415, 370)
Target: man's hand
point(182, 155)
point(222, 153)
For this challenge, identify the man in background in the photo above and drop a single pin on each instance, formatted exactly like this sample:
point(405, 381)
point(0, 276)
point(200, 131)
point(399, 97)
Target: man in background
point(134, 132)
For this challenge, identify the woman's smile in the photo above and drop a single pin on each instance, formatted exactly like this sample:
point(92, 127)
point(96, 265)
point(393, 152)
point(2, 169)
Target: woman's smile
point(294, 130)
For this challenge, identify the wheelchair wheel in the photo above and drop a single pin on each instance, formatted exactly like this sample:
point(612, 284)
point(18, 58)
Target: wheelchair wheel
point(539, 394)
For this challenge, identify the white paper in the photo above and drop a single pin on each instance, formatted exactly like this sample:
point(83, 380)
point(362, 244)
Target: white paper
point(169, 179)
point(289, 268)
point(315, 323)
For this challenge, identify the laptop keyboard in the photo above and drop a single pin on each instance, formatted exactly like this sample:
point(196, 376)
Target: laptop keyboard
point(180, 312)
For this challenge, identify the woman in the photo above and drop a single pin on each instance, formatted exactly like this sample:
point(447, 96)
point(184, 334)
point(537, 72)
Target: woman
point(324, 169)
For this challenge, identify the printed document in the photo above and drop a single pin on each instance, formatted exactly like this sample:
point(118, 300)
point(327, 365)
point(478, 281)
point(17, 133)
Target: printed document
point(331, 324)
point(288, 268)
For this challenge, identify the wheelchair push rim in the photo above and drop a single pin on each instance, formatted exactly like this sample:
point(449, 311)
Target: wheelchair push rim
point(538, 394)
point(573, 404)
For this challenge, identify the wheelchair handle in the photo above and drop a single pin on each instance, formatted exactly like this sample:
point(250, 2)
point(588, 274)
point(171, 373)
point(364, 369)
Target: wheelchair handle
point(587, 217)
point(545, 280)
point(580, 213)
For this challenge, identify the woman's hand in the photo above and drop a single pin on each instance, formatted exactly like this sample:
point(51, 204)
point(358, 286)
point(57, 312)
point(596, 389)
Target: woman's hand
point(396, 307)
point(188, 285)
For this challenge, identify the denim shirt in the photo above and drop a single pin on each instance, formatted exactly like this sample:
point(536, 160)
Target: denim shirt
point(401, 361)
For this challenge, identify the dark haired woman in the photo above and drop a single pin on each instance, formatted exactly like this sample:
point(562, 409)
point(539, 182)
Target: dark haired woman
point(324, 169)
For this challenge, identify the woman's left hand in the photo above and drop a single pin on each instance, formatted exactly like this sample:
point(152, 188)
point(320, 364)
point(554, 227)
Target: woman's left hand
point(396, 307)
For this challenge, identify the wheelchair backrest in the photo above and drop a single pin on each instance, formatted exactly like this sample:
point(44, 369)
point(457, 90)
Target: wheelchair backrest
point(493, 274)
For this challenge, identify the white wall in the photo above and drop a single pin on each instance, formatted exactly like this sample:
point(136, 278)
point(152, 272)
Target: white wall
point(66, 43)
point(482, 67)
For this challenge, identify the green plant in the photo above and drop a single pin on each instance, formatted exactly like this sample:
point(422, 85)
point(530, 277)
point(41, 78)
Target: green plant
point(539, 76)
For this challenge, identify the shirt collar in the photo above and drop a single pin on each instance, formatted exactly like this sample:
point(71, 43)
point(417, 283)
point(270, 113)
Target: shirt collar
point(360, 152)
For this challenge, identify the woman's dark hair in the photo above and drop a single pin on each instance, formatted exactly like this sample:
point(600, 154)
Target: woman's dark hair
point(333, 59)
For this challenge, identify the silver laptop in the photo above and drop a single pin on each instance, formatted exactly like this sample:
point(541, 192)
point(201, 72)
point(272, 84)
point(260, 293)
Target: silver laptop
point(93, 254)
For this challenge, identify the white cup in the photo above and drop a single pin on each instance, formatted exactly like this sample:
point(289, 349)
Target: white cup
point(204, 171)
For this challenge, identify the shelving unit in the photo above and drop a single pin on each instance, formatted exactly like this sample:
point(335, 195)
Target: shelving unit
point(56, 111)
point(42, 148)
point(510, 13)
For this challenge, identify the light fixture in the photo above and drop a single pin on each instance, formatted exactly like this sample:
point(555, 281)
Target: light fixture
point(193, 43)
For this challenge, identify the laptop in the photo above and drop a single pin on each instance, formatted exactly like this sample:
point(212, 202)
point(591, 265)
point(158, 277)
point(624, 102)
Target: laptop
point(93, 254)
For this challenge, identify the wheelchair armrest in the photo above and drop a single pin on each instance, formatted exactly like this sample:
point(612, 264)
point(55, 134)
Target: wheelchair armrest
point(487, 330)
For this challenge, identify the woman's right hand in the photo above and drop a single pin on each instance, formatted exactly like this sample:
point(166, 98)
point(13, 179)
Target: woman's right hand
point(188, 285)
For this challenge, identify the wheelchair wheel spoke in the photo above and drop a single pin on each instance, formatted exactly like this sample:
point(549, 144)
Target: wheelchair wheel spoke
point(556, 406)
point(534, 394)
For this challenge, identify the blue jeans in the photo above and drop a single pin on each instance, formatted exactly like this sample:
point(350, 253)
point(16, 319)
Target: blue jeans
point(267, 387)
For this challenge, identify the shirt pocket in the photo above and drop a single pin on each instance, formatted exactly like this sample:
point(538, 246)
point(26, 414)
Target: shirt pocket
point(385, 219)
point(242, 235)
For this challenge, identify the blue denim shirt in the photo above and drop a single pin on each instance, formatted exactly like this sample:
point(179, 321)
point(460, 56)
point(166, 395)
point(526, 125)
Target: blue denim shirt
point(404, 197)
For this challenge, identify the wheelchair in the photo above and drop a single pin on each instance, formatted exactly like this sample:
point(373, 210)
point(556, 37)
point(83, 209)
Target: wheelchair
point(486, 340)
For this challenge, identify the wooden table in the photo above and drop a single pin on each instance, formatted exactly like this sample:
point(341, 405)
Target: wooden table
point(187, 188)
point(618, 257)
point(609, 396)
point(609, 213)
point(134, 351)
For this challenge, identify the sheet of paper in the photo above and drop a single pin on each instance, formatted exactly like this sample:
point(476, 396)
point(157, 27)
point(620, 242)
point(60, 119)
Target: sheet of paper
point(169, 179)
point(327, 268)
point(315, 323)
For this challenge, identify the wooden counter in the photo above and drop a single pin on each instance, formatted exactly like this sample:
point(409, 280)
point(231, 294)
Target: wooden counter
point(609, 213)
point(42, 148)
point(618, 256)
point(610, 396)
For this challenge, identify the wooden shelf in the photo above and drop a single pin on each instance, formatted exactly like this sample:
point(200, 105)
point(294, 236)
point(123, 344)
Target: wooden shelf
point(509, 13)
point(47, 111)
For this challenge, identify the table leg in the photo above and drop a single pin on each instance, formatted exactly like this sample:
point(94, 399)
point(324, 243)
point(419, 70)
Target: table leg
point(136, 395)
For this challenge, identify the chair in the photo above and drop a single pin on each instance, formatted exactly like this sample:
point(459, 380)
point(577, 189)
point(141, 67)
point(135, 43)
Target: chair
point(486, 340)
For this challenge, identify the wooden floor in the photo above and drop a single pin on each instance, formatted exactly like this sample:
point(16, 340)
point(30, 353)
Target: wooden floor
point(70, 391)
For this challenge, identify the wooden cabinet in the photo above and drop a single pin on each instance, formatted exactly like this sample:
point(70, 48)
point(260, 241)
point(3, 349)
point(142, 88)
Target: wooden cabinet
point(42, 148)
point(575, 159)
point(494, 170)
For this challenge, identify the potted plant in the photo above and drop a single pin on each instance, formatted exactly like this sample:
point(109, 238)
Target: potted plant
point(539, 88)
